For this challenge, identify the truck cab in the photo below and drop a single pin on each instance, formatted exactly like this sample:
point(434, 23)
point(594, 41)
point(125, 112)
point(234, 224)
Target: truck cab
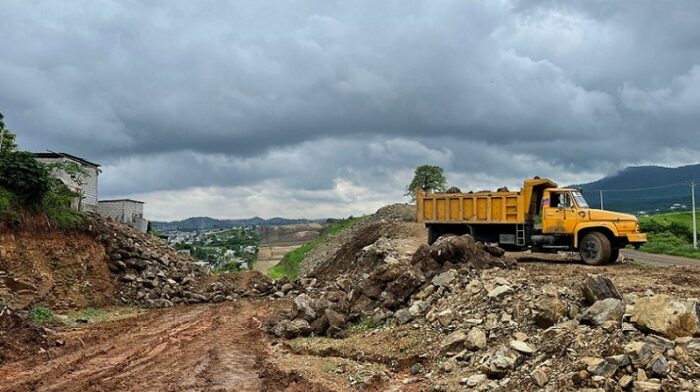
point(541, 217)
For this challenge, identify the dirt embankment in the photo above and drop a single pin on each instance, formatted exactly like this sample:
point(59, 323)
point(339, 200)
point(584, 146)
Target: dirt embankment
point(57, 269)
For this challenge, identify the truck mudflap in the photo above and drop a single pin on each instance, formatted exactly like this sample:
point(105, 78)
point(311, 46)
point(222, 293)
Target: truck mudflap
point(636, 238)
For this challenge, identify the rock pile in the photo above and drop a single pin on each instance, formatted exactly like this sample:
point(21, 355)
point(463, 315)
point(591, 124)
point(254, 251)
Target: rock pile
point(340, 253)
point(385, 292)
point(155, 275)
point(502, 333)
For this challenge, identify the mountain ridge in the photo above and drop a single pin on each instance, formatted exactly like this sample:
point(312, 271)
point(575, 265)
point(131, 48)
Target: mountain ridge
point(642, 188)
point(206, 222)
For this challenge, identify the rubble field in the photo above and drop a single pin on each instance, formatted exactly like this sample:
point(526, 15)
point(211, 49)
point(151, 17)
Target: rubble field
point(376, 309)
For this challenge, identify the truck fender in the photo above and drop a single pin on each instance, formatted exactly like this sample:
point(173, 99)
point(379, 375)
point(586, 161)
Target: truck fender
point(588, 225)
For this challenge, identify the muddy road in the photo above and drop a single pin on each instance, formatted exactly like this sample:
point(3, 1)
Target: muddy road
point(191, 348)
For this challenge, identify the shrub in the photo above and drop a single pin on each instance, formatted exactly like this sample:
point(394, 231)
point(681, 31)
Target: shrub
point(28, 179)
point(57, 204)
point(5, 200)
point(40, 314)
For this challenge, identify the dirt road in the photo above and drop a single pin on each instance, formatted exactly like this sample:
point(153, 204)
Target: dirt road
point(637, 256)
point(657, 259)
point(190, 348)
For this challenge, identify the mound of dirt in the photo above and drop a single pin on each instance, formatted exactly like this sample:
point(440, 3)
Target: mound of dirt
point(397, 213)
point(20, 337)
point(383, 291)
point(390, 232)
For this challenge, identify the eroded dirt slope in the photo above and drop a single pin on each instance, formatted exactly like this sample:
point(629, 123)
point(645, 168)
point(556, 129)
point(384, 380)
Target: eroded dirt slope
point(57, 269)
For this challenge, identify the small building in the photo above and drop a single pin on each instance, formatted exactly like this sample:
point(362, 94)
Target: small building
point(85, 185)
point(126, 211)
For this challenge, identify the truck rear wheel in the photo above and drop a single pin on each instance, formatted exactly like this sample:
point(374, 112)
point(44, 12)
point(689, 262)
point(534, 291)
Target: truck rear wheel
point(614, 255)
point(595, 248)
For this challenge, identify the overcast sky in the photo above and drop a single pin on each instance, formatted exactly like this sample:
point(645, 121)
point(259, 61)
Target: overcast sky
point(325, 108)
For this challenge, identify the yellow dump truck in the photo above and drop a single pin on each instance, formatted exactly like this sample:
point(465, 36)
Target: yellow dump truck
point(541, 216)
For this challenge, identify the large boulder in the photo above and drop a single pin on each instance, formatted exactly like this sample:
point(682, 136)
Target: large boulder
point(667, 316)
point(303, 307)
point(549, 311)
point(609, 309)
point(598, 287)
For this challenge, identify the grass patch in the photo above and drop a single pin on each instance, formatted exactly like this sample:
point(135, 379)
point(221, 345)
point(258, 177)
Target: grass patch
point(669, 234)
point(289, 265)
point(367, 324)
point(328, 367)
point(670, 244)
point(40, 314)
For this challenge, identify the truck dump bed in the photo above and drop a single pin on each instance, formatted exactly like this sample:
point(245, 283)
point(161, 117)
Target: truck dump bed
point(482, 207)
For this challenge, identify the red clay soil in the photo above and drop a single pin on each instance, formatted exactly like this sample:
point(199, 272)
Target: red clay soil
point(57, 269)
point(193, 348)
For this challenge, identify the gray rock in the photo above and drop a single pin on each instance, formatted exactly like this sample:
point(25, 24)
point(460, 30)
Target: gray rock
point(658, 365)
point(598, 287)
point(453, 342)
point(476, 339)
point(445, 279)
point(521, 347)
point(500, 291)
point(303, 308)
point(403, 316)
point(609, 309)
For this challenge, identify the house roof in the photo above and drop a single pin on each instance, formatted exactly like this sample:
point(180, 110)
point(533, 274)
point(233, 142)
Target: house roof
point(54, 155)
point(121, 200)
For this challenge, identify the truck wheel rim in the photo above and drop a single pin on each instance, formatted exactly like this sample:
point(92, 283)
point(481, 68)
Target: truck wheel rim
point(590, 249)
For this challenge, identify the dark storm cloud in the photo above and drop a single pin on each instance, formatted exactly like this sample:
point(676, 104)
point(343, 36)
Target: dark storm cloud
point(302, 94)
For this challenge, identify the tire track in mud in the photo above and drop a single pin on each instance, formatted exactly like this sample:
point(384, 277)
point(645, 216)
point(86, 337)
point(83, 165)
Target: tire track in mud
point(193, 348)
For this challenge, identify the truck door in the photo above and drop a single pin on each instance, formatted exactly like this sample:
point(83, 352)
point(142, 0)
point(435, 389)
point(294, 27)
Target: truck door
point(554, 212)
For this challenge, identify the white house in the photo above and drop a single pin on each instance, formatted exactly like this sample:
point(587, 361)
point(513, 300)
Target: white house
point(88, 188)
point(126, 211)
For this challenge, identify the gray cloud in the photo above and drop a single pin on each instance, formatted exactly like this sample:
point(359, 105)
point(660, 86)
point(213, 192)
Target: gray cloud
point(303, 96)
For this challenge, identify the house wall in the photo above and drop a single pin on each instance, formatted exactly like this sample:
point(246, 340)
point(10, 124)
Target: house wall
point(90, 188)
point(124, 211)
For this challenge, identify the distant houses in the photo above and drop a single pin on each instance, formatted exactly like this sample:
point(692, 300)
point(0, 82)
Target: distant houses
point(122, 210)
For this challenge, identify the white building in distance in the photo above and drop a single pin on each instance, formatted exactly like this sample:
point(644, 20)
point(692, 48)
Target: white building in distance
point(126, 211)
point(89, 187)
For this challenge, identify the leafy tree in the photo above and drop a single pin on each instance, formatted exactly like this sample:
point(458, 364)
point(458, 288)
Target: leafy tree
point(7, 138)
point(77, 173)
point(24, 176)
point(428, 178)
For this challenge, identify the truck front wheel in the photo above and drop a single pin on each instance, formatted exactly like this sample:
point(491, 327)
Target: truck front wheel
point(595, 248)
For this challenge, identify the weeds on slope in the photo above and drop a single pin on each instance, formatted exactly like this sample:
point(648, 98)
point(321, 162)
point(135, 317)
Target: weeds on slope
point(289, 265)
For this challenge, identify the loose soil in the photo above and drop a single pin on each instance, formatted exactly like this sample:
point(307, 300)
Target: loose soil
point(222, 347)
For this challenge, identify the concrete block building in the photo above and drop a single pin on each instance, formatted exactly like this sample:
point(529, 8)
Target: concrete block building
point(126, 211)
point(89, 186)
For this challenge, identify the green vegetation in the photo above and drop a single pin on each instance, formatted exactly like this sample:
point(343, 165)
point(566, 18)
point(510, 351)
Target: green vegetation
point(289, 265)
point(40, 314)
point(368, 324)
point(26, 185)
point(669, 234)
point(428, 178)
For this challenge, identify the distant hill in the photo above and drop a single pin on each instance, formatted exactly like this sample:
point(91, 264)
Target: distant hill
point(205, 222)
point(628, 190)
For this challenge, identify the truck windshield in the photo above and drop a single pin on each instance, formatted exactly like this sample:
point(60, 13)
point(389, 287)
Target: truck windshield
point(580, 200)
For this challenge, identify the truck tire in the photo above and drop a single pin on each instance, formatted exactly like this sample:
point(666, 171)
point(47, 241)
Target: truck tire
point(614, 255)
point(595, 248)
